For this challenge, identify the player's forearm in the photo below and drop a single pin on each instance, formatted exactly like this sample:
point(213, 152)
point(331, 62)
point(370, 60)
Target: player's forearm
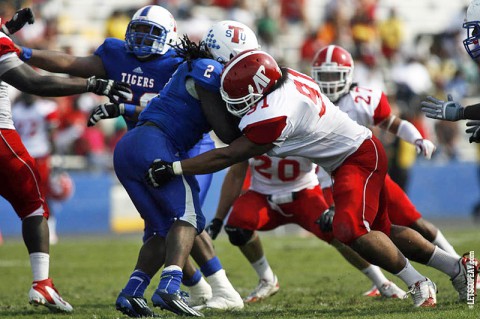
point(231, 189)
point(52, 61)
point(60, 62)
point(209, 162)
point(472, 112)
point(57, 86)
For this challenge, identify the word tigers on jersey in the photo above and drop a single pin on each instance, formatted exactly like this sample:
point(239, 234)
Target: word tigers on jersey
point(138, 80)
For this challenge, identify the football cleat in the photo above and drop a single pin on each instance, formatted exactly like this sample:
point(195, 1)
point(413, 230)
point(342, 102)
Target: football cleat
point(223, 299)
point(373, 292)
point(44, 293)
point(468, 271)
point(198, 296)
point(175, 303)
point(424, 293)
point(264, 290)
point(135, 307)
point(390, 290)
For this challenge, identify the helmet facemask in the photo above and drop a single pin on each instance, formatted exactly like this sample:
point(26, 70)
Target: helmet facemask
point(471, 43)
point(240, 106)
point(334, 80)
point(152, 30)
point(145, 38)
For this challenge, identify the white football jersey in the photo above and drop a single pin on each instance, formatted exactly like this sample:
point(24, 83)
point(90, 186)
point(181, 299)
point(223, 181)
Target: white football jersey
point(367, 107)
point(8, 61)
point(301, 121)
point(33, 124)
point(274, 175)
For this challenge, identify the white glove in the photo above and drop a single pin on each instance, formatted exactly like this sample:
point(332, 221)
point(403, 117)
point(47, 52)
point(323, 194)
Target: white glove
point(425, 147)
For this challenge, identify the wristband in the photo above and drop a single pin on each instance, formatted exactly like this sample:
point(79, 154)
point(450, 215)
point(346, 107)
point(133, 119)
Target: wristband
point(408, 132)
point(26, 54)
point(177, 168)
point(129, 109)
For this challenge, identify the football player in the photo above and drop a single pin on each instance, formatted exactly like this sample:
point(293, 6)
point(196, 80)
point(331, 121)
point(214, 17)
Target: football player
point(282, 191)
point(147, 60)
point(187, 107)
point(35, 120)
point(284, 113)
point(451, 110)
point(19, 173)
point(332, 69)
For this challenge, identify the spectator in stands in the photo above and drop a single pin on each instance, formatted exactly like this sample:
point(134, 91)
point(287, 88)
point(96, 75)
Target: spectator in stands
point(116, 24)
point(391, 32)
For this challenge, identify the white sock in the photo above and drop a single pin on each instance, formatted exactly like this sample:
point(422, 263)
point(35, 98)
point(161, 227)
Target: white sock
point(201, 287)
point(443, 243)
point(40, 263)
point(219, 280)
point(263, 269)
point(410, 275)
point(445, 262)
point(374, 273)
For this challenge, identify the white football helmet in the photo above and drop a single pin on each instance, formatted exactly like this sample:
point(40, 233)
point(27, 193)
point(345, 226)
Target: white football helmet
point(332, 69)
point(152, 30)
point(472, 25)
point(61, 186)
point(227, 38)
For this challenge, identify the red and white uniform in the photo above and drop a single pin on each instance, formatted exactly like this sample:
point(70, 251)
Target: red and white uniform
point(33, 123)
point(282, 191)
point(370, 107)
point(18, 173)
point(301, 121)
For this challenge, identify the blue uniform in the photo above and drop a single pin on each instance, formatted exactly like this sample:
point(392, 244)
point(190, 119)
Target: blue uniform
point(147, 79)
point(168, 128)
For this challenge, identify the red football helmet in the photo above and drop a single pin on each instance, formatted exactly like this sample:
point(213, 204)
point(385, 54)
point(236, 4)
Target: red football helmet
point(246, 78)
point(61, 186)
point(332, 69)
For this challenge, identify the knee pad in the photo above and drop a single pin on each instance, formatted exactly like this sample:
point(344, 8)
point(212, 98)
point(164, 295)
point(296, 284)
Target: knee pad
point(238, 236)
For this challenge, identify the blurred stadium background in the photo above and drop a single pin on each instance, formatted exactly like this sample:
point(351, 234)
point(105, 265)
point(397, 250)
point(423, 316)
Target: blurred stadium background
point(408, 48)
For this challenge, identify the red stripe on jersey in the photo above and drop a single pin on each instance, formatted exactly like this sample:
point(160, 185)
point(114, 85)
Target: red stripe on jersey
point(7, 46)
point(382, 111)
point(266, 131)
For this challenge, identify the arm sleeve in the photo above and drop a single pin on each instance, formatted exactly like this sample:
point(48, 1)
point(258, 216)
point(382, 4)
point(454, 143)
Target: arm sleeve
point(267, 131)
point(382, 111)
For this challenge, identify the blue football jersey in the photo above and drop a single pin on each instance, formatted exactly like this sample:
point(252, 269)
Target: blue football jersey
point(147, 78)
point(178, 114)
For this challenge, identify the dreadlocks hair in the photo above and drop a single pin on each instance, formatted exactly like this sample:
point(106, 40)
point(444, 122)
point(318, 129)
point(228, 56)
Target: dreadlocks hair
point(189, 50)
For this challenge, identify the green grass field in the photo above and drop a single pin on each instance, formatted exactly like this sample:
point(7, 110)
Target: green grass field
point(315, 281)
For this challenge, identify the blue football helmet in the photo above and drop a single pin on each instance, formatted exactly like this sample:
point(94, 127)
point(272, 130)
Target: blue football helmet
point(152, 30)
point(472, 25)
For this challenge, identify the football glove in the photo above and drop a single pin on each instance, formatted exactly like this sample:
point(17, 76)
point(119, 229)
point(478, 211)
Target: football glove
point(214, 228)
point(326, 219)
point(443, 110)
point(105, 111)
point(474, 129)
point(113, 89)
point(19, 19)
point(159, 173)
point(425, 147)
